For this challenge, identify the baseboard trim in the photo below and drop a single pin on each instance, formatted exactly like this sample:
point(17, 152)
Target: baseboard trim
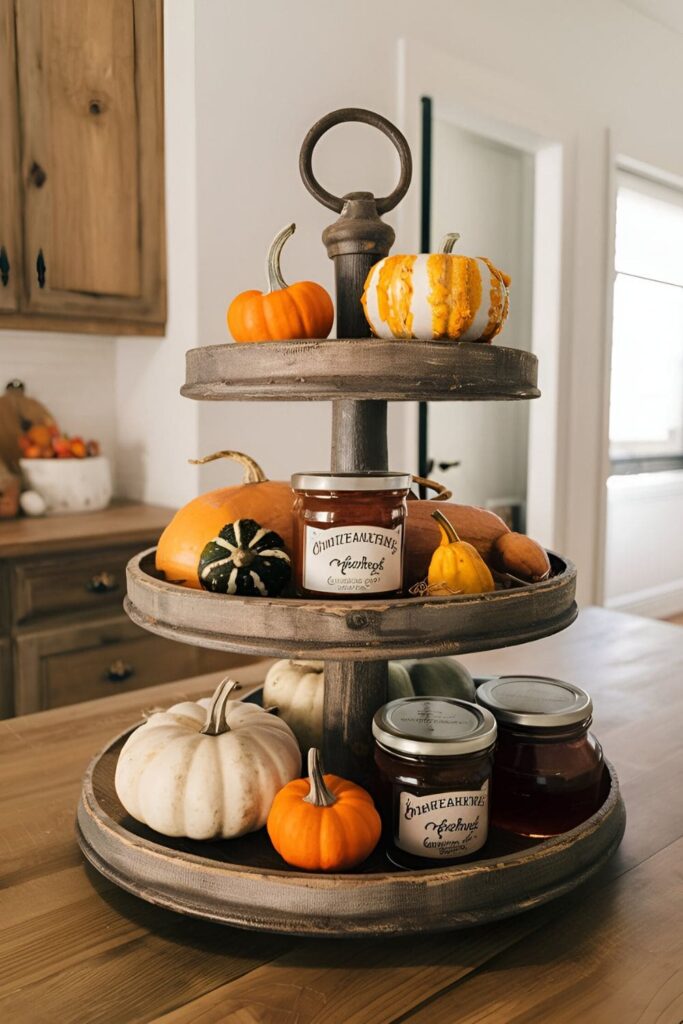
point(655, 603)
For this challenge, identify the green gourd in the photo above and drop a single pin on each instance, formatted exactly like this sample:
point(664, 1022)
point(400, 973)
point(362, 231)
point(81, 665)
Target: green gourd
point(245, 558)
point(296, 688)
point(440, 677)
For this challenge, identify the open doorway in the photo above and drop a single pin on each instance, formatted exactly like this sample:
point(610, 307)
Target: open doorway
point(643, 541)
point(483, 189)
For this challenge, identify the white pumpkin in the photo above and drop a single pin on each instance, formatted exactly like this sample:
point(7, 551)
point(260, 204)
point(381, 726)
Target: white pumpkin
point(297, 689)
point(206, 769)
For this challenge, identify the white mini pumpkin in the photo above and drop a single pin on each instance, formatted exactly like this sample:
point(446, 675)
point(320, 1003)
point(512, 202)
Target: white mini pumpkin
point(206, 769)
point(297, 689)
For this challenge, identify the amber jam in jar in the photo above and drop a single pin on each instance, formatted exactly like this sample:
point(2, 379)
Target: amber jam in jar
point(348, 533)
point(433, 758)
point(548, 774)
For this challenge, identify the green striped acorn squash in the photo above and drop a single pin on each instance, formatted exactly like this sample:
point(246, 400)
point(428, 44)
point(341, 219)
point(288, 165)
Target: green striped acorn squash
point(247, 559)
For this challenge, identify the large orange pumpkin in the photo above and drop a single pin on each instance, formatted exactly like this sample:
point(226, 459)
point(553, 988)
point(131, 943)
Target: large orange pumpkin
point(301, 310)
point(324, 822)
point(269, 502)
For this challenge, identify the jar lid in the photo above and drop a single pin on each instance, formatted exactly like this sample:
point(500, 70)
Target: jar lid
point(535, 701)
point(434, 727)
point(321, 481)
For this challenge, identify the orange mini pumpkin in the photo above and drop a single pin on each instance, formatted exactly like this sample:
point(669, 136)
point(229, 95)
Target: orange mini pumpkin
point(301, 310)
point(323, 823)
point(269, 502)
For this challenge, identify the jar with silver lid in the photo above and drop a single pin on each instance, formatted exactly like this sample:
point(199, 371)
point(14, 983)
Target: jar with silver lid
point(349, 533)
point(434, 759)
point(549, 773)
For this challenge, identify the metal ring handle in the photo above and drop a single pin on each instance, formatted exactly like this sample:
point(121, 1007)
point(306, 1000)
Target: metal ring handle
point(375, 120)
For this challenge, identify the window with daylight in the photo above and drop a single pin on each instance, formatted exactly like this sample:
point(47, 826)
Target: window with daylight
point(646, 398)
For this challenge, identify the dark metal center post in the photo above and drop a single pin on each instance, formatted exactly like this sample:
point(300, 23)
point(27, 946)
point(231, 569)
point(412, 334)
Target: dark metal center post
point(356, 241)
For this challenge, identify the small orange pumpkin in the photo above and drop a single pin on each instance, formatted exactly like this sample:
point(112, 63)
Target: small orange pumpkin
point(323, 823)
point(301, 310)
point(269, 502)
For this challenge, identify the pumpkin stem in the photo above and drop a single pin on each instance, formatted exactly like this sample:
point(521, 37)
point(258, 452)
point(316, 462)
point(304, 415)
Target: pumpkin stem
point(442, 492)
point(318, 795)
point(243, 557)
point(448, 534)
point(276, 282)
point(448, 242)
point(216, 722)
point(253, 474)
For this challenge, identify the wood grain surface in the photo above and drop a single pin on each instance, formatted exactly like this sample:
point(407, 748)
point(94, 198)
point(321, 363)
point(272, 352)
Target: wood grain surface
point(122, 522)
point(358, 630)
point(90, 100)
point(74, 949)
point(360, 368)
point(10, 185)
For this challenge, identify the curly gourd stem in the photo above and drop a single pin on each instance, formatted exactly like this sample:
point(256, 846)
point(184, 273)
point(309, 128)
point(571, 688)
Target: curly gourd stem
point(216, 722)
point(276, 282)
point(253, 474)
point(448, 241)
point(318, 795)
point(442, 492)
point(447, 529)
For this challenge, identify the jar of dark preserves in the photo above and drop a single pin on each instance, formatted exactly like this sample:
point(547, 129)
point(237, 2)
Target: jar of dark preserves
point(549, 773)
point(434, 757)
point(349, 533)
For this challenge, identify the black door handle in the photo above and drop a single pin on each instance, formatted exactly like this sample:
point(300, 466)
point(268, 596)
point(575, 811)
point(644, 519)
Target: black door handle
point(4, 267)
point(40, 269)
point(119, 671)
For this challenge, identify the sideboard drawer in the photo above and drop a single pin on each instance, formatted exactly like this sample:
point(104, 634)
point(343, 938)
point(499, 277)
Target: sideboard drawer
point(69, 582)
point(58, 667)
point(6, 697)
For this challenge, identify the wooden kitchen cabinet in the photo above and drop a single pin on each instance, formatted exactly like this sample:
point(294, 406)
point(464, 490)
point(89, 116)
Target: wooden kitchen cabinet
point(82, 174)
point(59, 666)
point(10, 248)
point(64, 637)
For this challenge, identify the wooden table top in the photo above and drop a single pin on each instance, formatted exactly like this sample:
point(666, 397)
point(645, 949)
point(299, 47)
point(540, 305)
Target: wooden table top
point(76, 950)
point(122, 522)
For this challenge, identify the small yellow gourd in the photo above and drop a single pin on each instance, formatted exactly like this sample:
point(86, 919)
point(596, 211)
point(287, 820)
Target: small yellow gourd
point(456, 566)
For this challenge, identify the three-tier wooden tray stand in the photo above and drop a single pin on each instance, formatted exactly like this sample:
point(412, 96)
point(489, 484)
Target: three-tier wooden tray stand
point(243, 881)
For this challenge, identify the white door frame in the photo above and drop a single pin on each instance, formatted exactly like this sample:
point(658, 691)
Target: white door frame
point(568, 425)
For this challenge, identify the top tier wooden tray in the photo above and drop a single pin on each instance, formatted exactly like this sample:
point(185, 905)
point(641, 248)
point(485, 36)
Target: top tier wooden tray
point(360, 368)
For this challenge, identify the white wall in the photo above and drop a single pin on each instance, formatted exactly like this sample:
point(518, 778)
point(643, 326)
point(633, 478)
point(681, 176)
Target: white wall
point(266, 72)
point(644, 550)
point(71, 374)
point(157, 429)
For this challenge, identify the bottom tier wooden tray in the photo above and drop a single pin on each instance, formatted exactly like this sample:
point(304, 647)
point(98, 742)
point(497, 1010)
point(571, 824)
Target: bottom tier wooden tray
point(243, 882)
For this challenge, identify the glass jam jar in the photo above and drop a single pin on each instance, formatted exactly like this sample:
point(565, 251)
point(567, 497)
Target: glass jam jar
point(348, 533)
point(548, 774)
point(433, 758)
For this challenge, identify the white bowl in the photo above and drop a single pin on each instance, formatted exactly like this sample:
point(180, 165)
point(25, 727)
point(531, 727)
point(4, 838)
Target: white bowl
point(69, 485)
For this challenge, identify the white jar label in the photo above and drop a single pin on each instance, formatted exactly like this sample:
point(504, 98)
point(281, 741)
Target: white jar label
point(443, 825)
point(353, 559)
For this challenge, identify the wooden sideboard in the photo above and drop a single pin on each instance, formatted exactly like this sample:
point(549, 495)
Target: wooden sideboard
point(64, 636)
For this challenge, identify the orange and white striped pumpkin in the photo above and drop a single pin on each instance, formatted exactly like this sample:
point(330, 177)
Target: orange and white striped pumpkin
point(436, 295)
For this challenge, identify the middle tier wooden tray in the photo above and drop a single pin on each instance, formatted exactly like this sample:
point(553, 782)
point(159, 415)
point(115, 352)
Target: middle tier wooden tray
point(366, 630)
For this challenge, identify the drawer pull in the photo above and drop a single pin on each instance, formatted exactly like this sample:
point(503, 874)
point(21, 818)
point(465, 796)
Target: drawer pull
point(102, 583)
point(119, 671)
